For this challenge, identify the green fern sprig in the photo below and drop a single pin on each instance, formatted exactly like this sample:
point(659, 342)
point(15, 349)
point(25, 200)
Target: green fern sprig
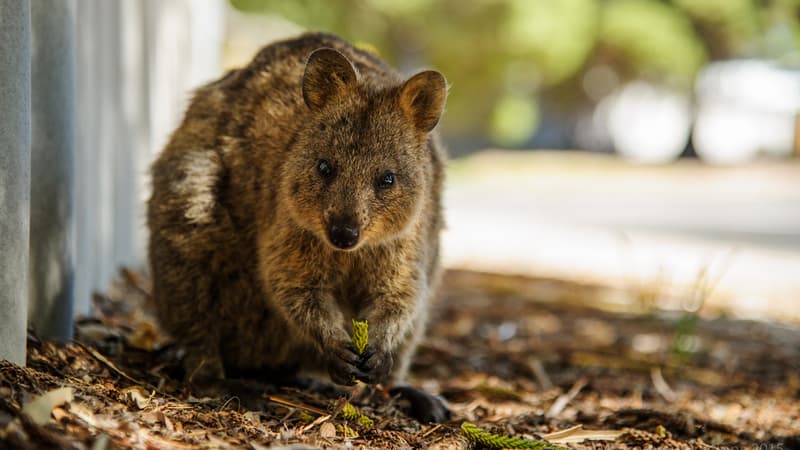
point(481, 436)
point(349, 412)
point(347, 431)
point(360, 335)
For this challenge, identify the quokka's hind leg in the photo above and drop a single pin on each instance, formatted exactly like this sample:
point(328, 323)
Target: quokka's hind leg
point(184, 297)
point(187, 225)
point(420, 405)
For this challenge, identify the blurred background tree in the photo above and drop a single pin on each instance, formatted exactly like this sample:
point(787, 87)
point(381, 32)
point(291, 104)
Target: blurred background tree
point(512, 63)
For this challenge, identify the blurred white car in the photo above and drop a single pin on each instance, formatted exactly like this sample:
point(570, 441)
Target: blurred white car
point(745, 108)
point(742, 109)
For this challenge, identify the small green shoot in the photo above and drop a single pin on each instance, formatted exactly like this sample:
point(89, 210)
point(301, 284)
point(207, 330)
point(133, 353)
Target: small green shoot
point(360, 335)
point(351, 413)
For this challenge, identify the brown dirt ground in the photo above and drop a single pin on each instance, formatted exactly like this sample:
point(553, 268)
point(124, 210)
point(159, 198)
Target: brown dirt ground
point(518, 356)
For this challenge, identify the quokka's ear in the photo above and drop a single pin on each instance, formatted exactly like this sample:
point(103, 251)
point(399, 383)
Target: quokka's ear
point(328, 74)
point(422, 99)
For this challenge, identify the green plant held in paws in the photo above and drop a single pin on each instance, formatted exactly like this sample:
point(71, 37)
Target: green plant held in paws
point(360, 335)
point(481, 436)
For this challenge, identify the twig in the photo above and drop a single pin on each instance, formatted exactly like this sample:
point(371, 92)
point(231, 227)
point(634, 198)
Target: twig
point(661, 386)
point(229, 401)
point(316, 422)
point(537, 368)
point(284, 402)
point(98, 356)
point(432, 429)
point(563, 400)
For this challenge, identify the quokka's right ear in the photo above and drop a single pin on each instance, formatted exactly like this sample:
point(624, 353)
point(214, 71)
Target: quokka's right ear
point(328, 74)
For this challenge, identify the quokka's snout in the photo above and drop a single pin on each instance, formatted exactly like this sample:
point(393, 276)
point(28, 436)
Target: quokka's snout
point(343, 232)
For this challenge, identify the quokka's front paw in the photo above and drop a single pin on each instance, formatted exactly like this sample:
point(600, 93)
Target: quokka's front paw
point(375, 365)
point(343, 362)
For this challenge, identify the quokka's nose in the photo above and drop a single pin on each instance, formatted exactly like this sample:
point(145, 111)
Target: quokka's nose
point(343, 233)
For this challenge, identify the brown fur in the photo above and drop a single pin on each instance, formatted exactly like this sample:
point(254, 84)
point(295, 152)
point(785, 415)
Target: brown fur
point(245, 276)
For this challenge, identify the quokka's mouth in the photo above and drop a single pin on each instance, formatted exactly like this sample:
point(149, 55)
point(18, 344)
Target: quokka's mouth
point(344, 233)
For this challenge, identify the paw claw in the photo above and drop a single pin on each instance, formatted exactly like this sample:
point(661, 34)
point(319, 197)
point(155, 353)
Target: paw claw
point(368, 352)
point(343, 364)
point(376, 365)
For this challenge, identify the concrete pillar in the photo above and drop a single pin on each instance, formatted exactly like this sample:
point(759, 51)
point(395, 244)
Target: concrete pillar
point(15, 89)
point(52, 245)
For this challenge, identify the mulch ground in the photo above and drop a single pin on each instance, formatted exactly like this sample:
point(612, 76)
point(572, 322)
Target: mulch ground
point(522, 357)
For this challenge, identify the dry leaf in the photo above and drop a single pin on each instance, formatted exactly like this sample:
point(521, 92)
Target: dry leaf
point(327, 430)
point(254, 417)
point(577, 434)
point(138, 396)
point(98, 421)
point(103, 442)
point(168, 423)
point(145, 337)
point(39, 409)
point(151, 417)
point(563, 400)
point(59, 414)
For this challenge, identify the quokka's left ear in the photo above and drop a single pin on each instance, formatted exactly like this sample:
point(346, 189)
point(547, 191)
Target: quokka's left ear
point(422, 99)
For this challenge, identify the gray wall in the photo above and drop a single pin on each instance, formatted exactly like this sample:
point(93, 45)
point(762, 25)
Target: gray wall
point(15, 57)
point(110, 82)
point(138, 62)
point(52, 228)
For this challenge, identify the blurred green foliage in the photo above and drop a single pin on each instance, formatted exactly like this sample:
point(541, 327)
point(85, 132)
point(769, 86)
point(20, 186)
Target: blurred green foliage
point(556, 36)
point(654, 38)
point(502, 57)
point(514, 120)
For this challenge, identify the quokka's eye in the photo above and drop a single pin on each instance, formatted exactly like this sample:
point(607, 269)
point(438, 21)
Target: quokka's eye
point(324, 168)
point(385, 181)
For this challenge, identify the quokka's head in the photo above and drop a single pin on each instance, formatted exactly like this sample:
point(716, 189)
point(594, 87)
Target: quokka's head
point(360, 166)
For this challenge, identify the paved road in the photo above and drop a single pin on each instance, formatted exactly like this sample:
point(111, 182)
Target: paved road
point(591, 217)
